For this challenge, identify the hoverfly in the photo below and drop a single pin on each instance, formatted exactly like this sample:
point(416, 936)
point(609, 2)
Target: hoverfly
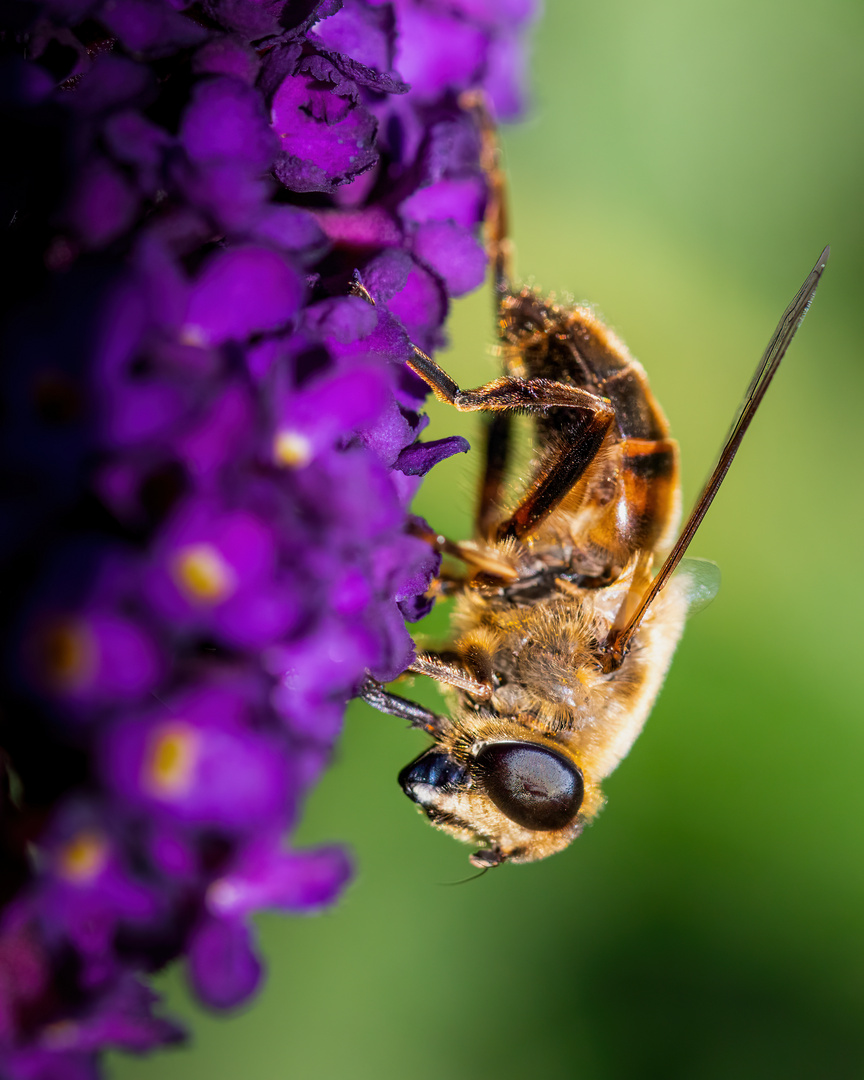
point(563, 631)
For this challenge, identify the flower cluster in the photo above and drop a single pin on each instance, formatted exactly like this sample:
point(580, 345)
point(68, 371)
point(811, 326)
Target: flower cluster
point(229, 221)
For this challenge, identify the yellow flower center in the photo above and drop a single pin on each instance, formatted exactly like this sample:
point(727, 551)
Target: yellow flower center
point(292, 449)
point(202, 574)
point(70, 655)
point(83, 858)
point(169, 764)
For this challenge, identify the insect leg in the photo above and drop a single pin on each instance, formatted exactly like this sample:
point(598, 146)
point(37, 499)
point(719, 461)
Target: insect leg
point(446, 584)
point(476, 557)
point(497, 450)
point(580, 437)
point(497, 240)
point(453, 672)
point(374, 694)
point(499, 250)
point(562, 468)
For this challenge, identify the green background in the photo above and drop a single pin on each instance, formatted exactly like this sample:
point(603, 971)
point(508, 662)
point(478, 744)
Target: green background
point(682, 166)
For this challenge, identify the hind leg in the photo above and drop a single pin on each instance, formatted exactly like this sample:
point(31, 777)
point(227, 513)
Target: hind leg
point(563, 463)
point(498, 245)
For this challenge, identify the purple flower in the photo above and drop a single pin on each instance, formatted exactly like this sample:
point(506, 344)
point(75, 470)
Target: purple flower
point(209, 456)
point(87, 893)
point(216, 571)
point(200, 763)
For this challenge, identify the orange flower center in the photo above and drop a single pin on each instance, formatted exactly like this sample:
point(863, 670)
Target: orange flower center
point(83, 858)
point(202, 574)
point(69, 655)
point(169, 765)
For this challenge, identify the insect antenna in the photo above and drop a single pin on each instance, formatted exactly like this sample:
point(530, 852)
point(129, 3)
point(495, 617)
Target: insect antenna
point(614, 649)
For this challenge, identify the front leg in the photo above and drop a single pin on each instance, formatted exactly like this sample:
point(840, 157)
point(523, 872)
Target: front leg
point(374, 694)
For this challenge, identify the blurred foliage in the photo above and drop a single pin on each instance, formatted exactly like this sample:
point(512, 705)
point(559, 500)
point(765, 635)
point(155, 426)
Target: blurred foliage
point(682, 167)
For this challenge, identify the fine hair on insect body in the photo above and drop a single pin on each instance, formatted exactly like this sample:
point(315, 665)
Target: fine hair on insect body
point(568, 606)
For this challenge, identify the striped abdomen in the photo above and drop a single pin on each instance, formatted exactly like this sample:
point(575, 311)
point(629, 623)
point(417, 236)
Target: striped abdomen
point(629, 501)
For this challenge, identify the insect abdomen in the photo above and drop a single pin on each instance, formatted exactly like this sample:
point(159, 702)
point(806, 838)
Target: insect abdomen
point(630, 502)
point(612, 373)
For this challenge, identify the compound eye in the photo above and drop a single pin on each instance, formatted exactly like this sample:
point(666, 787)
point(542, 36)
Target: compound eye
point(432, 771)
point(535, 787)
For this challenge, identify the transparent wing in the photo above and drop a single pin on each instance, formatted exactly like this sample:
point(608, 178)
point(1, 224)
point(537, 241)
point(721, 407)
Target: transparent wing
point(701, 580)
